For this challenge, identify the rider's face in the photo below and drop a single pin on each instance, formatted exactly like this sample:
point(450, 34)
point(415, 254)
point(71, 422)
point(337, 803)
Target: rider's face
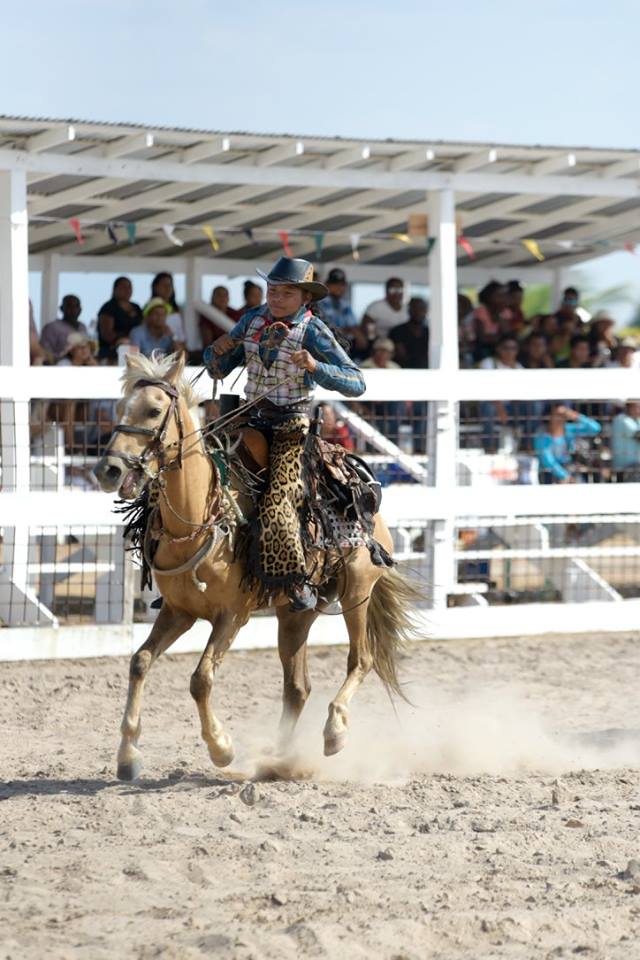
point(284, 300)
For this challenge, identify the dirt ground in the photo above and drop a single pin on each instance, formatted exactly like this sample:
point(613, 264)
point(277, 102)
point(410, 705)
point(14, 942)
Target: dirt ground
point(497, 817)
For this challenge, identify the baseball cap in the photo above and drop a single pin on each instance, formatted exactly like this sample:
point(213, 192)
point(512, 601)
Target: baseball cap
point(336, 276)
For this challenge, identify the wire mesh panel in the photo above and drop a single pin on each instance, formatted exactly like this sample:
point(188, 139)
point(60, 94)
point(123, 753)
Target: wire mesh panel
point(569, 559)
point(64, 575)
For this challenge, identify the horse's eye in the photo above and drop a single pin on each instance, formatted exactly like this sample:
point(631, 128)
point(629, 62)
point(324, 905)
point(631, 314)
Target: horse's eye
point(155, 412)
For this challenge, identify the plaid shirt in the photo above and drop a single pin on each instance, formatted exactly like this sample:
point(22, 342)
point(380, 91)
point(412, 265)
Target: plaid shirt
point(268, 362)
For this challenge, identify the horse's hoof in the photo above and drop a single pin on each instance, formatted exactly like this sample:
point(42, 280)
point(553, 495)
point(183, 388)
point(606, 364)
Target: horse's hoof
point(223, 754)
point(130, 770)
point(333, 745)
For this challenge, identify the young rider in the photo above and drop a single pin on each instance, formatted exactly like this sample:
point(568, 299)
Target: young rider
point(287, 351)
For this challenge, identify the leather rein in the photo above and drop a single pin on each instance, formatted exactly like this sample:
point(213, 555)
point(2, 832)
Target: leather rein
point(155, 447)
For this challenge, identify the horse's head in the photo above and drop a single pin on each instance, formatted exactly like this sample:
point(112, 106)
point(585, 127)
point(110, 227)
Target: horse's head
point(148, 436)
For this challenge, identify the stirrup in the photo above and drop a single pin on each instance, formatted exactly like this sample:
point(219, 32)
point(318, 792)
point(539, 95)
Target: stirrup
point(302, 597)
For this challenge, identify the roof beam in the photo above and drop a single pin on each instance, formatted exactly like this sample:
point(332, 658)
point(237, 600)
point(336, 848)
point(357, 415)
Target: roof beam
point(51, 138)
point(311, 176)
point(344, 158)
point(412, 158)
point(562, 161)
point(127, 145)
point(285, 151)
point(208, 148)
point(479, 158)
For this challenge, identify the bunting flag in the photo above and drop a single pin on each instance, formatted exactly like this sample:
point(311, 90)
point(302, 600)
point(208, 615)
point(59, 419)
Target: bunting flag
point(170, 233)
point(534, 249)
point(111, 233)
point(74, 223)
point(431, 242)
point(284, 239)
point(131, 232)
point(319, 241)
point(213, 240)
point(630, 247)
point(248, 232)
point(402, 237)
point(466, 246)
point(418, 225)
point(565, 244)
point(355, 243)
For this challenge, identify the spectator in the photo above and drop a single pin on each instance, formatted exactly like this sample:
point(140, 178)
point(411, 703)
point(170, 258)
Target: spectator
point(534, 354)
point(363, 338)
point(209, 330)
point(383, 350)
point(80, 352)
point(162, 286)
point(336, 309)
point(253, 296)
point(333, 430)
point(116, 319)
point(555, 446)
point(54, 335)
point(602, 341)
point(490, 321)
point(560, 342)
point(411, 339)
point(466, 345)
point(154, 333)
point(501, 419)
point(626, 355)
point(625, 442)
point(579, 354)
point(569, 307)
point(514, 297)
point(389, 312)
point(37, 356)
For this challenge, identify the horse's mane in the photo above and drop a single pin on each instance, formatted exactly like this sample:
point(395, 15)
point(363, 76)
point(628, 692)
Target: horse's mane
point(155, 367)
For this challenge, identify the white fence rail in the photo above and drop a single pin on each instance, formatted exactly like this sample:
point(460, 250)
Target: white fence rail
point(426, 515)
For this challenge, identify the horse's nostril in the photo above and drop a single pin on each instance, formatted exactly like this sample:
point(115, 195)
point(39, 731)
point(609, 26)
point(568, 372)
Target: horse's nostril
point(112, 473)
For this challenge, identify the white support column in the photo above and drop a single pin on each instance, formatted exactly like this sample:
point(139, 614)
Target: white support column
point(49, 288)
point(443, 355)
point(193, 289)
point(18, 604)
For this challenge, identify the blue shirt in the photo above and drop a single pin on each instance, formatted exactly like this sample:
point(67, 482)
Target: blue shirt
point(337, 312)
point(334, 371)
point(554, 453)
point(147, 343)
point(625, 448)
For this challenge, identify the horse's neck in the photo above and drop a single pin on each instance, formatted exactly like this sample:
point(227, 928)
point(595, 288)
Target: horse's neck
point(187, 490)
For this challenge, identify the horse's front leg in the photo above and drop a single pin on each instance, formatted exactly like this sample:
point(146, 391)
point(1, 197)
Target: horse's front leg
point(170, 624)
point(219, 744)
point(293, 630)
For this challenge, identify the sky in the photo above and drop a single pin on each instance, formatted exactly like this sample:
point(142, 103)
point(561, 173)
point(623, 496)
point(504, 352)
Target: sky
point(553, 72)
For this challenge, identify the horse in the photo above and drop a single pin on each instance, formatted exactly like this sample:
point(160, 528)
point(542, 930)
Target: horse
point(157, 446)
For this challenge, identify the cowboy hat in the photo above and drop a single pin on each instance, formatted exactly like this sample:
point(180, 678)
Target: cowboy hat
point(295, 273)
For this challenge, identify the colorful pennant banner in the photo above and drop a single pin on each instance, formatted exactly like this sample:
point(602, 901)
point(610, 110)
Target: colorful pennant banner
point(284, 239)
point(111, 233)
point(319, 242)
point(170, 233)
point(131, 232)
point(74, 223)
point(213, 240)
point(402, 237)
point(534, 249)
point(466, 246)
point(355, 243)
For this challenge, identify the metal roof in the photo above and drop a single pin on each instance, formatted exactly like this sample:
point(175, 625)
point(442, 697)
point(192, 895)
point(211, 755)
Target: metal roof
point(576, 203)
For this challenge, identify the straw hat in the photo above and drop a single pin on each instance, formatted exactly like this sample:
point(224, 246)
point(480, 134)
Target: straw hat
point(80, 340)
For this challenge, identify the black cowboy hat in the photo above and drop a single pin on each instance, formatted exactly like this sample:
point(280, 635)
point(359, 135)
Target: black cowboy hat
point(295, 273)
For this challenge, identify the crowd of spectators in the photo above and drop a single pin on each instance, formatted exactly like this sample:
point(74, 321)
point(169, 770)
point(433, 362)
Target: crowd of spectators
point(391, 333)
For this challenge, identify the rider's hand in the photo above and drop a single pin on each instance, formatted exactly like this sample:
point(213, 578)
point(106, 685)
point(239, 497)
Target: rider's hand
point(304, 361)
point(223, 344)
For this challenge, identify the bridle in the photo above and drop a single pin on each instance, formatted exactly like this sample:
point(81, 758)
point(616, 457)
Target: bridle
point(155, 448)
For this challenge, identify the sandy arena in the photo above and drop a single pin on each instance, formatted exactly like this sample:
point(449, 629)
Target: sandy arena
point(497, 818)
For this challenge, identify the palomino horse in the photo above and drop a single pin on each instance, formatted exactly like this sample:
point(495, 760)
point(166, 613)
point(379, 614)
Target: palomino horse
point(157, 443)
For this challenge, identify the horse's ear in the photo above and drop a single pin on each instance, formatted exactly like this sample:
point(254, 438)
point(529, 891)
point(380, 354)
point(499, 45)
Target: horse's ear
point(130, 360)
point(176, 369)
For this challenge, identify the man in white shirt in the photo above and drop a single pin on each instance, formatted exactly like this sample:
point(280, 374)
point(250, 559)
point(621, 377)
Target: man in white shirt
point(389, 312)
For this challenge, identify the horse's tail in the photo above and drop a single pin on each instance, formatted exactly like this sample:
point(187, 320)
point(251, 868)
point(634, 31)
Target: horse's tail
point(391, 623)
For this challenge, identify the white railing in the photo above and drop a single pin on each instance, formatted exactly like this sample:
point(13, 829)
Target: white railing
point(436, 504)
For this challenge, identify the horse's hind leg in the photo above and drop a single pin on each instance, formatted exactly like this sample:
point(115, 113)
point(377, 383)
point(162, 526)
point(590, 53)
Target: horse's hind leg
point(170, 625)
point(359, 664)
point(293, 630)
point(222, 636)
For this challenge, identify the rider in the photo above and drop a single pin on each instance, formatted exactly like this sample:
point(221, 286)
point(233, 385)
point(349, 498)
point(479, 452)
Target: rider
point(287, 350)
